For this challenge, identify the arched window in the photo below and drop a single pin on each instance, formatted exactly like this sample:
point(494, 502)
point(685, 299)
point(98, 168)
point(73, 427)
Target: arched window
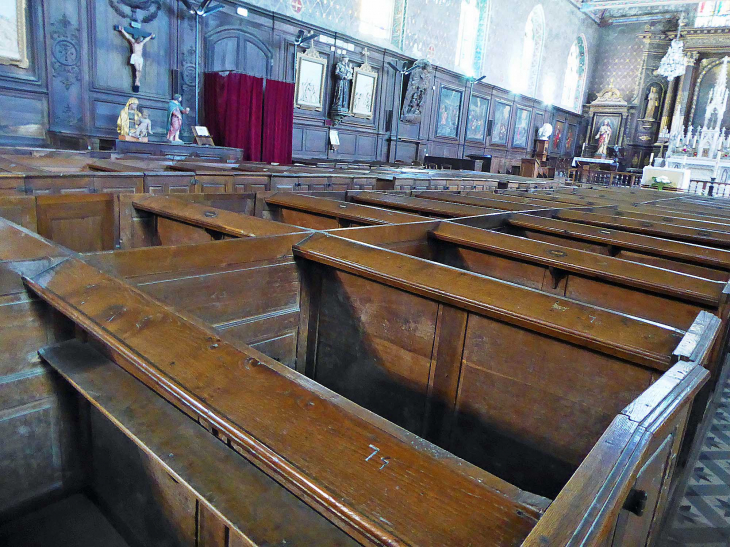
point(575, 76)
point(398, 35)
point(713, 14)
point(376, 18)
point(473, 20)
point(532, 50)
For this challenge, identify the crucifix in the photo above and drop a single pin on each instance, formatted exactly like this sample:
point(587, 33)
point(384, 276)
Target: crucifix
point(137, 39)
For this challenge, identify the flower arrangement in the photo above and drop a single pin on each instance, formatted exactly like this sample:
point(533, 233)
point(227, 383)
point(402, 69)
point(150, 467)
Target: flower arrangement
point(660, 182)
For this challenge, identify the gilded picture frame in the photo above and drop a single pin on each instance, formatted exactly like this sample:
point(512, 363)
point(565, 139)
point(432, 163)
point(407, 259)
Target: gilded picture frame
point(14, 48)
point(310, 78)
point(364, 88)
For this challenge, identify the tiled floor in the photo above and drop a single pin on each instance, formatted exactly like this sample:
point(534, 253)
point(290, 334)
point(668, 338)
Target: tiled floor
point(702, 516)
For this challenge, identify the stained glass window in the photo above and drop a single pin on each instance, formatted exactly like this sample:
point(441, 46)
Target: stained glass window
point(532, 50)
point(473, 20)
point(713, 14)
point(575, 76)
point(376, 18)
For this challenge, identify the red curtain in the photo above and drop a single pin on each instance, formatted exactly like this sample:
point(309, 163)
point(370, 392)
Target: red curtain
point(233, 111)
point(278, 122)
point(239, 115)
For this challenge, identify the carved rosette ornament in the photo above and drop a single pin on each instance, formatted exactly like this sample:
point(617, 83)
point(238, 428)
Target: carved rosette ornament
point(65, 52)
point(420, 80)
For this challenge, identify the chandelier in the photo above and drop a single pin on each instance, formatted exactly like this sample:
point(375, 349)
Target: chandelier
point(674, 62)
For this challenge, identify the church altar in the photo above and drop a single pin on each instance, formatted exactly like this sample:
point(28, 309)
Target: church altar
point(701, 169)
point(705, 151)
point(579, 161)
point(678, 178)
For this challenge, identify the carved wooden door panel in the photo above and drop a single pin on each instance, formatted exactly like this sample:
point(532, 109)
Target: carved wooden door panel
point(80, 223)
point(232, 49)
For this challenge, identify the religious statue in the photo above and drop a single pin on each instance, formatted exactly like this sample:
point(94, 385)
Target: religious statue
point(174, 118)
point(145, 127)
point(652, 103)
point(128, 120)
point(137, 43)
point(604, 136)
point(343, 80)
point(419, 81)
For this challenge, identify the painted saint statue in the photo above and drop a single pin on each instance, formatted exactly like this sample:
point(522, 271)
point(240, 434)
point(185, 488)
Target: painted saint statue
point(136, 59)
point(175, 113)
point(129, 119)
point(604, 136)
point(652, 104)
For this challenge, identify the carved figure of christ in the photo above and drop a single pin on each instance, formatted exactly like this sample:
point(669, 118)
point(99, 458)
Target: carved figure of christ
point(137, 58)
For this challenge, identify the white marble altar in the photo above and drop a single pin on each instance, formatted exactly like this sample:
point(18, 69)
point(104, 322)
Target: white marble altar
point(678, 178)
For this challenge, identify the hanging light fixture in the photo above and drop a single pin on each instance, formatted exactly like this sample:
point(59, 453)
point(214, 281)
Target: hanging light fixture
point(674, 62)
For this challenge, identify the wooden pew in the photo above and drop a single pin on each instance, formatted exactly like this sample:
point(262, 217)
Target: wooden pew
point(704, 236)
point(38, 450)
point(178, 222)
point(389, 358)
point(156, 180)
point(227, 387)
point(246, 289)
point(421, 206)
point(313, 442)
point(492, 201)
point(209, 179)
point(172, 461)
point(680, 256)
point(629, 287)
point(322, 214)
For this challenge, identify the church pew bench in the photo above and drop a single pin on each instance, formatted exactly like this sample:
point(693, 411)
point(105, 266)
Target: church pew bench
point(155, 180)
point(166, 480)
point(316, 444)
point(209, 179)
point(393, 309)
point(672, 391)
point(671, 231)
point(680, 256)
point(492, 201)
point(646, 292)
point(246, 289)
point(425, 207)
point(37, 416)
point(175, 221)
point(673, 217)
point(321, 214)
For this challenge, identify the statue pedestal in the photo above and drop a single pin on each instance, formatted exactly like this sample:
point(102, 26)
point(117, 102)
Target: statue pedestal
point(541, 147)
point(130, 138)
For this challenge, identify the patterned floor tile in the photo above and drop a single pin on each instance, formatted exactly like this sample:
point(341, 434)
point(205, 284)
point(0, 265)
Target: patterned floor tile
point(702, 517)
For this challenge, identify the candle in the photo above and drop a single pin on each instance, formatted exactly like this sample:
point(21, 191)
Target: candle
point(583, 152)
point(651, 159)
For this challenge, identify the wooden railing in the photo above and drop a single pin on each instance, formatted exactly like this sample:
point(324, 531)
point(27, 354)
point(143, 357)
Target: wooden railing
point(702, 188)
point(606, 178)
